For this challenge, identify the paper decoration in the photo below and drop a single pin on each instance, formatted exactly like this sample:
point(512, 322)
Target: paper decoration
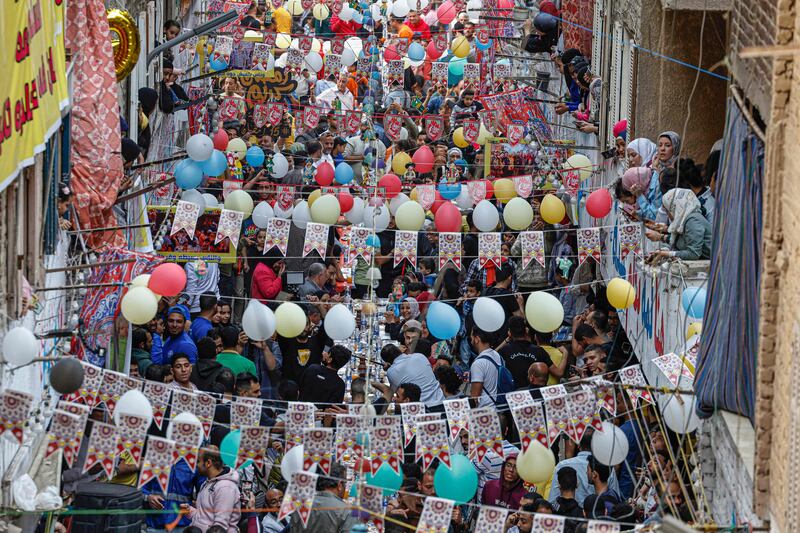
point(185, 219)
point(223, 46)
point(426, 194)
point(317, 448)
point(523, 185)
point(358, 244)
point(159, 395)
point(514, 133)
point(572, 182)
point(277, 234)
point(402, 48)
point(182, 402)
point(229, 108)
point(558, 418)
point(230, 226)
point(457, 411)
point(439, 72)
point(477, 190)
point(299, 496)
point(352, 122)
point(316, 239)
point(372, 502)
point(204, 406)
point(553, 391)
point(394, 72)
point(386, 444)
point(312, 116)
point(348, 428)
point(588, 244)
point(158, 461)
point(245, 412)
point(484, 432)
point(65, 433)
point(90, 388)
point(337, 45)
point(237, 33)
point(472, 75)
point(299, 417)
point(15, 407)
point(260, 114)
point(436, 515)
point(234, 166)
point(583, 414)
point(482, 35)
point(294, 63)
point(102, 448)
point(409, 412)
point(253, 443)
point(530, 422)
point(532, 247)
point(275, 112)
point(632, 376)
point(602, 526)
point(113, 386)
point(364, 66)
point(489, 249)
point(392, 124)
point(300, 119)
point(260, 57)
point(271, 37)
point(434, 127)
point(132, 430)
point(304, 43)
point(432, 442)
point(672, 366)
point(489, 119)
point(519, 398)
point(333, 64)
point(604, 392)
point(80, 410)
point(547, 523)
point(187, 437)
point(491, 519)
point(405, 247)
point(423, 419)
point(471, 128)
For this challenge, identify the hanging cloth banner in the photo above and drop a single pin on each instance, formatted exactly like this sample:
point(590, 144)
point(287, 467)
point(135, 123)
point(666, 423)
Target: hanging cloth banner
point(530, 422)
point(158, 394)
point(230, 226)
point(299, 496)
point(409, 412)
point(372, 502)
point(90, 388)
point(489, 249)
point(514, 133)
point(434, 127)
point(449, 249)
point(484, 432)
point(352, 121)
point(432, 443)
point(157, 462)
point(245, 412)
point(253, 444)
point(523, 185)
point(426, 194)
point(588, 244)
point(471, 128)
point(14, 409)
point(491, 520)
point(299, 417)
point(114, 385)
point(187, 437)
point(317, 446)
point(316, 239)
point(672, 366)
point(132, 431)
point(405, 247)
point(65, 434)
point(602, 526)
point(632, 375)
point(630, 237)
point(102, 448)
point(358, 244)
point(186, 214)
point(477, 190)
point(547, 523)
point(260, 114)
point(583, 414)
point(386, 443)
point(277, 235)
point(457, 411)
point(436, 515)
point(348, 428)
point(532, 245)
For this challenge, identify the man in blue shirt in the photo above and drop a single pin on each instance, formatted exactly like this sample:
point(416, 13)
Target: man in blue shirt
point(579, 463)
point(180, 489)
point(202, 322)
point(178, 340)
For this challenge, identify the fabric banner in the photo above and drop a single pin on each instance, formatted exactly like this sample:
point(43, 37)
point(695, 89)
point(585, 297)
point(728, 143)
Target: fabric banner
point(471, 128)
point(672, 366)
point(602, 526)
point(102, 448)
point(352, 121)
point(558, 417)
point(547, 523)
point(436, 515)
point(583, 414)
point(245, 412)
point(514, 133)
point(299, 496)
point(588, 244)
point(185, 218)
point(348, 428)
point(477, 190)
point(317, 448)
point(260, 61)
point(132, 431)
point(484, 432)
point(253, 444)
point(530, 422)
point(423, 418)
point(299, 417)
point(632, 376)
point(434, 127)
point(491, 520)
point(405, 247)
point(532, 244)
point(204, 406)
point(158, 394)
point(372, 502)
point(409, 412)
point(277, 234)
point(90, 388)
point(489, 249)
point(630, 237)
point(426, 194)
point(316, 239)
point(230, 226)
point(260, 113)
point(523, 185)
point(65, 434)
point(14, 409)
point(358, 244)
point(158, 461)
point(432, 443)
point(187, 437)
point(457, 411)
point(472, 78)
point(113, 386)
point(386, 442)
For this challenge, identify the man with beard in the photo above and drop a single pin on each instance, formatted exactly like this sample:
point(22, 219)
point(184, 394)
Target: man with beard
point(321, 383)
point(178, 340)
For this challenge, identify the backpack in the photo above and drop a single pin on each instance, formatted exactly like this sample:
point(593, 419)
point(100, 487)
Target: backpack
point(505, 381)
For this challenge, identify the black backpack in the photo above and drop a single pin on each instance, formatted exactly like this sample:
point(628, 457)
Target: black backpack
point(107, 496)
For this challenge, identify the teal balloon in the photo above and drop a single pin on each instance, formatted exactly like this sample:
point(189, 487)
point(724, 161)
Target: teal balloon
point(188, 174)
point(229, 449)
point(385, 478)
point(255, 156)
point(457, 483)
point(343, 173)
point(694, 301)
point(443, 320)
point(449, 191)
point(456, 66)
point(214, 165)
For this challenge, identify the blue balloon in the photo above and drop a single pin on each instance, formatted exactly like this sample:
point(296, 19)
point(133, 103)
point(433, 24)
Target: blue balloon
point(215, 165)
point(188, 174)
point(457, 483)
point(255, 156)
point(480, 46)
point(343, 173)
point(358, 18)
point(218, 64)
point(385, 478)
point(373, 241)
point(456, 66)
point(694, 301)
point(443, 320)
point(449, 191)
point(460, 162)
point(416, 52)
point(229, 449)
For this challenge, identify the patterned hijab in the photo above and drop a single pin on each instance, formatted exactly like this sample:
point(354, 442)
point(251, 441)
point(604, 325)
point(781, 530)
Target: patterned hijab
point(679, 204)
point(675, 139)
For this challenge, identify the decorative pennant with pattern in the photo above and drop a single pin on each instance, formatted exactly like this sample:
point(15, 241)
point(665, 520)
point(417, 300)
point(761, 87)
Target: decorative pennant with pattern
point(434, 127)
point(277, 234)
point(352, 121)
point(530, 422)
point(519, 398)
point(501, 71)
point(436, 515)
point(186, 214)
point(457, 412)
point(132, 431)
point(630, 238)
point(275, 112)
point(15, 407)
point(553, 391)
point(300, 119)
point(426, 194)
point(438, 72)
point(245, 412)
point(583, 414)
point(294, 63)
point(333, 64)
point(477, 190)
point(299, 417)
point(253, 444)
point(489, 119)
point(102, 448)
point(65, 433)
point(348, 429)
point(547, 523)
point(672, 366)
point(484, 432)
point(449, 249)
point(588, 244)
point(472, 76)
point(260, 61)
point(358, 244)
point(80, 410)
point(471, 128)
point(602, 526)
point(204, 406)
point(113, 386)
point(187, 437)
point(182, 402)
point(90, 388)
point(230, 226)
point(316, 239)
point(372, 502)
point(489, 249)
point(558, 417)
point(532, 247)
point(423, 419)
point(299, 496)
point(386, 443)
point(514, 133)
point(632, 375)
point(392, 123)
point(405, 247)
point(158, 461)
point(432, 442)
point(523, 185)
point(317, 448)
point(159, 395)
point(604, 392)
point(491, 519)
point(409, 412)
point(312, 117)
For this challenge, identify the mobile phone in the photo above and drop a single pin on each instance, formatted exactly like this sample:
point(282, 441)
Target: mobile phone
point(608, 154)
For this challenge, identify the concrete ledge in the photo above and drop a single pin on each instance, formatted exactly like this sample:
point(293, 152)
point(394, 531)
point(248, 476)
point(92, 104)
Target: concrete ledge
point(697, 5)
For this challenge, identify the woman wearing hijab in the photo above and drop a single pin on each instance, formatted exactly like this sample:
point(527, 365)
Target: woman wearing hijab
point(641, 152)
point(640, 186)
point(409, 310)
point(669, 149)
point(688, 233)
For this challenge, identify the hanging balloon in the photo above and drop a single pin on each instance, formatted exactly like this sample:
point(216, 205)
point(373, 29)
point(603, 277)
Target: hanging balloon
point(458, 482)
point(313, 61)
point(343, 173)
point(432, 52)
point(679, 412)
point(280, 166)
point(391, 185)
point(20, 346)
point(443, 320)
point(385, 478)
point(446, 12)
point(449, 191)
point(346, 200)
point(193, 196)
point(693, 300)
point(325, 210)
point(66, 376)
point(610, 446)
point(544, 312)
point(410, 216)
point(210, 200)
point(290, 320)
point(324, 174)
point(400, 162)
point(458, 138)
point(456, 69)
point(504, 190)
point(141, 280)
point(552, 209)
point(581, 163)
point(261, 215)
point(339, 323)
point(199, 147)
point(518, 214)
point(474, 11)
point(460, 46)
point(301, 214)
point(599, 203)
point(255, 156)
point(377, 218)
point(321, 12)
point(423, 159)
point(215, 165)
point(229, 450)
point(488, 314)
point(139, 305)
point(416, 52)
point(396, 202)
point(258, 321)
point(483, 135)
point(620, 293)
point(167, 279)
point(313, 197)
point(537, 464)
point(695, 328)
point(294, 7)
point(124, 35)
point(400, 9)
point(188, 174)
point(355, 215)
point(485, 216)
point(283, 41)
point(238, 147)
point(464, 199)
point(239, 200)
point(349, 57)
point(221, 140)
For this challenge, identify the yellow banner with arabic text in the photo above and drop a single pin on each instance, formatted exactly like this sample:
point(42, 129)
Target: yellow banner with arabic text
point(33, 87)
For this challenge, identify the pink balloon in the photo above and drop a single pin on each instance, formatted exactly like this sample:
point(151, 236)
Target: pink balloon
point(423, 159)
point(447, 12)
point(432, 52)
point(221, 140)
point(437, 202)
point(324, 175)
point(448, 218)
point(345, 200)
point(505, 4)
point(391, 184)
point(599, 203)
point(167, 279)
point(390, 53)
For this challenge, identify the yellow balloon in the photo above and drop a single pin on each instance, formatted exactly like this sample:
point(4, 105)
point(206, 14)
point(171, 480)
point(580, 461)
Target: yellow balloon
point(294, 7)
point(290, 320)
point(620, 293)
point(460, 46)
point(399, 162)
point(544, 312)
point(326, 210)
point(483, 135)
point(518, 214)
point(139, 305)
point(237, 146)
point(124, 35)
point(552, 209)
point(413, 194)
point(315, 194)
point(283, 41)
point(537, 464)
point(141, 280)
point(695, 328)
point(504, 190)
point(581, 163)
point(241, 201)
point(410, 216)
point(458, 138)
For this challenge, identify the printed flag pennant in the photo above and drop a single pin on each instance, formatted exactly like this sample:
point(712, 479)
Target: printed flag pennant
point(15, 407)
point(547, 523)
point(187, 436)
point(604, 392)
point(530, 422)
point(204, 406)
point(426, 194)
point(132, 430)
point(252, 446)
point(471, 129)
point(333, 64)
point(158, 394)
point(489, 119)
point(113, 386)
point(186, 214)
point(436, 515)
point(317, 448)
point(588, 244)
point(519, 398)
point(230, 226)
point(102, 448)
point(386, 443)
point(182, 402)
point(358, 244)
point(394, 72)
point(632, 376)
point(523, 185)
point(275, 112)
point(352, 121)
point(348, 429)
point(558, 418)
point(491, 519)
point(337, 45)
point(277, 234)
point(672, 366)
point(158, 461)
point(392, 125)
point(294, 63)
point(439, 72)
point(484, 429)
point(602, 526)
point(514, 133)
point(81, 411)
point(316, 239)
point(312, 117)
point(630, 237)
point(422, 419)
point(65, 433)
point(553, 391)
point(432, 442)
point(477, 190)
point(409, 412)
point(299, 417)
point(372, 502)
point(405, 247)
point(245, 412)
point(434, 127)
point(90, 388)
point(449, 249)
point(300, 119)
point(532, 247)
point(489, 249)
point(299, 496)
point(260, 59)
point(583, 414)
point(223, 46)
point(457, 411)
point(472, 76)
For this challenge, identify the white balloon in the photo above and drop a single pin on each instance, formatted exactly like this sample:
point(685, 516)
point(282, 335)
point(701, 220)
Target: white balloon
point(346, 13)
point(464, 199)
point(485, 216)
point(141, 280)
point(135, 403)
point(301, 215)
point(397, 201)
point(356, 213)
point(679, 414)
point(20, 346)
point(339, 323)
point(293, 462)
point(474, 10)
point(258, 321)
point(199, 147)
point(280, 166)
point(186, 418)
point(400, 9)
point(417, 5)
point(355, 44)
point(194, 196)
point(609, 447)
point(375, 10)
point(210, 200)
point(261, 214)
point(313, 62)
point(283, 213)
point(488, 314)
point(348, 57)
point(376, 218)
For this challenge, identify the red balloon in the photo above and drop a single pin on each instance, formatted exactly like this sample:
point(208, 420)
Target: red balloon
point(390, 53)
point(437, 202)
point(446, 12)
point(505, 4)
point(221, 140)
point(391, 184)
point(423, 159)
point(345, 201)
point(432, 52)
point(599, 203)
point(324, 174)
point(167, 279)
point(489, 189)
point(448, 218)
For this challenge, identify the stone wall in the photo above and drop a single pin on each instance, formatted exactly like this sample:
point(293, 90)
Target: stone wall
point(753, 23)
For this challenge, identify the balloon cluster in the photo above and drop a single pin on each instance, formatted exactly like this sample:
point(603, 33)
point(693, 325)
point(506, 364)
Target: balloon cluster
point(140, 303)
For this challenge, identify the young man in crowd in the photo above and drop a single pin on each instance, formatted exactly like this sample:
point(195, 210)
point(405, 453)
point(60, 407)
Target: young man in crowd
point(218, 503)
point(181, 373)
point(321, 383)
point(203, 322)
point(231, 356)
point(178, 341)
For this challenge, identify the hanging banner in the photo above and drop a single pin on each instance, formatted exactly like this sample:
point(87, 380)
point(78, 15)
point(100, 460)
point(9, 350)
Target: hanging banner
point(14, 409)
point(253, 444)
point(409, 412)
point(277, 234)
point(632, 376)
point(457, 411)
point(583, 414)
point(432, 442)
point(348, 428)
point(299, 417)
point(158, 460)
point(491, 520)
point(316, 239)
point(317, 446)
point(434, 127)
point(299, 496)
point(436, 515)
point(532, 244)
point(372, 502)
point(489, 249)
point(65, 434)
point(132, 431)
point(385, 439)
point(102, 448)
point(158, 394)
point(230, 226)
point(484, 432)
point(186, 215)
point(358, 244)
point(588, 244)
point(405, 247)
point(187, 437)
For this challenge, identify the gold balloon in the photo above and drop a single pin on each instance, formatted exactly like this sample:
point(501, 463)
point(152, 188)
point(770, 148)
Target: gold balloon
point(125, 41)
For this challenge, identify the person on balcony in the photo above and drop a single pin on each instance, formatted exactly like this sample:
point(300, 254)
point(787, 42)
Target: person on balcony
point(688, 232)
point(639, 187)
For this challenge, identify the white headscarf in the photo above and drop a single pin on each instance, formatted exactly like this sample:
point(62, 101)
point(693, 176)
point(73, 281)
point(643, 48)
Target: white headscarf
point(645, 148)
point(679, 204)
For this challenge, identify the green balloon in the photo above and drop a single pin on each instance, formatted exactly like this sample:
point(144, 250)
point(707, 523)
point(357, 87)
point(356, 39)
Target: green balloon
point(457, 483)
point(456, 66)
point(385, 478)
point(229, 449)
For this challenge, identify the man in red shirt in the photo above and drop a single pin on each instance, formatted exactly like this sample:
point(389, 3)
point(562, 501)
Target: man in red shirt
point(417, 25)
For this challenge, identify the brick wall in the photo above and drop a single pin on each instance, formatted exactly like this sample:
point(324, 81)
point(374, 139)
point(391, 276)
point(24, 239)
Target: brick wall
point(753, 23)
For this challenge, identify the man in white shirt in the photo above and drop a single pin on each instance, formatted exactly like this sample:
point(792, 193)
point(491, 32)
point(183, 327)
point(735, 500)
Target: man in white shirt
point(482, 373)
point(412, 368)
point(328, 97)
point(357, 145)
